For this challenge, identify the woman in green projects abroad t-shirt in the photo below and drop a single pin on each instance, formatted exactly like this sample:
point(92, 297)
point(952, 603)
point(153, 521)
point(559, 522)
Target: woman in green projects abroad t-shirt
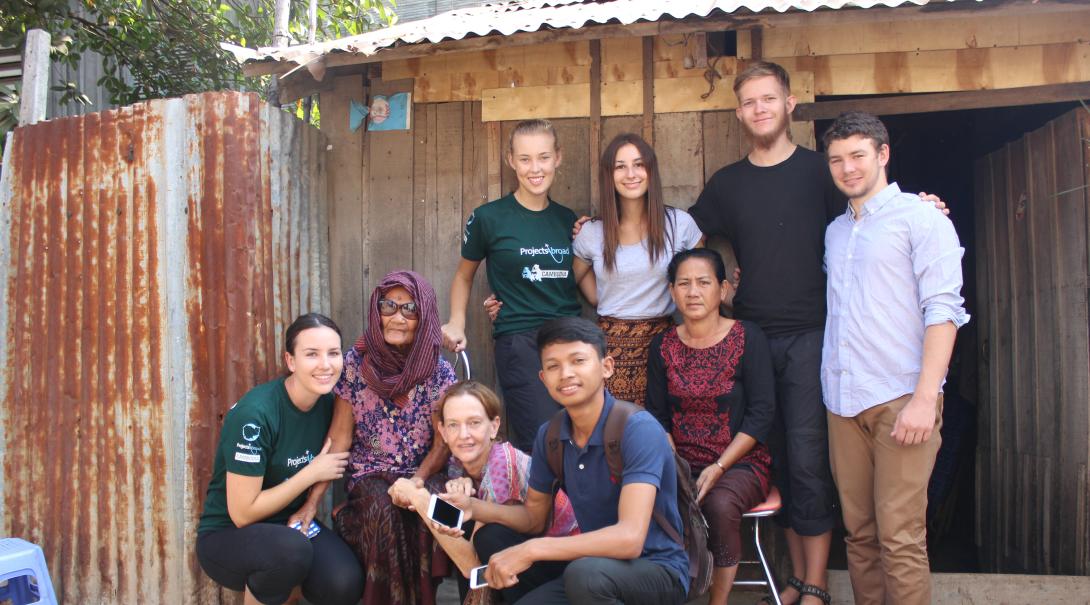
point(255, 533)
point(526, 238)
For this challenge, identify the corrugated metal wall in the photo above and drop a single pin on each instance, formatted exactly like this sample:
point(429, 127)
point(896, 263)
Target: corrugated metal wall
point(150, 259)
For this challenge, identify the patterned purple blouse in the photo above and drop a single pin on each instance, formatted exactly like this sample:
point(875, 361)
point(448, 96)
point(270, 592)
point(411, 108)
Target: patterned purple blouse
point(387, 438)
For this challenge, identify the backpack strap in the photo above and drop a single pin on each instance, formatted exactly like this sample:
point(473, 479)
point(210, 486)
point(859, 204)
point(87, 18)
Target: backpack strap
point(554, 457)
point(612, 434)
point(554, 450)
point(614, 431)
point(660, 518)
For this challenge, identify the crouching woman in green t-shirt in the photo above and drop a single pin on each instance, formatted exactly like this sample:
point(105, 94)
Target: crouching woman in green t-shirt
point(256, 533)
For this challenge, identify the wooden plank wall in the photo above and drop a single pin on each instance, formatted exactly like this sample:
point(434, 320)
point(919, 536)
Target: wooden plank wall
point(877, 52)
point(1032, 250)
point(553, 80)
point(399, 199)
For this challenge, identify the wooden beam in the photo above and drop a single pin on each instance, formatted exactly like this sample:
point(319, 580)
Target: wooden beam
point(649, 90)
point(462, 78)
point(945, 70)
point(945, 101)
point(903, 35)
point(684, 94)
point(757, 44)
point(934, 11)
point(35, 91)
point(448, 78)
point(499, 104)
point(495, 160)
point(697, 50)
point(301, 84)
point(671, 95)
point(595, 118)
point(265, 68)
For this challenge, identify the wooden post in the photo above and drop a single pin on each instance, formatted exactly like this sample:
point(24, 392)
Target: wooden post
point(495, 161)
point(756, 41)
point(649, 89)
point(595, 120)
point(35, 91)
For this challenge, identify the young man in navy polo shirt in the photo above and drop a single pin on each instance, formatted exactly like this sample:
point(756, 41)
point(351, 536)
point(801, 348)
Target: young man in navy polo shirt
point(622, 555)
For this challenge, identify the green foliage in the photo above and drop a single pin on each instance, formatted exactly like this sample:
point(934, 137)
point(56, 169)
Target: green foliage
point(163, 48)
point(342, 18)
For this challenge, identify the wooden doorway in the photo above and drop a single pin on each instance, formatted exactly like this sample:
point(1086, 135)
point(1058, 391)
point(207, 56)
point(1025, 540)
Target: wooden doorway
point(1033, 340)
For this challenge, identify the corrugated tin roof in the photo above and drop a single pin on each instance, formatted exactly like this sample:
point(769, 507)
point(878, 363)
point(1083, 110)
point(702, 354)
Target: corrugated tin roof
point(515, 16)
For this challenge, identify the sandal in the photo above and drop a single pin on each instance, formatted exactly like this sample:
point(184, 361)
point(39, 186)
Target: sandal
point(793, 582)
point(814, 591)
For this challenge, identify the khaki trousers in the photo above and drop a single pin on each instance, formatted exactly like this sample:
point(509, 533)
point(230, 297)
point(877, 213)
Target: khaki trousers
point(883, 497)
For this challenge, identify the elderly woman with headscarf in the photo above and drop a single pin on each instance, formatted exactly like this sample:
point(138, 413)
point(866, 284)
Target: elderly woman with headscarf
point(392, 377)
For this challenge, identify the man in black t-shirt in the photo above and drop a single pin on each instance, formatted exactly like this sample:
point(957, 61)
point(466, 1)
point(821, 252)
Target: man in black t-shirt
point(773, 206)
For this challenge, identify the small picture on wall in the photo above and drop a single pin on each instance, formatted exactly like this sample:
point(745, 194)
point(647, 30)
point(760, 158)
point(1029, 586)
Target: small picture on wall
point(390, 112)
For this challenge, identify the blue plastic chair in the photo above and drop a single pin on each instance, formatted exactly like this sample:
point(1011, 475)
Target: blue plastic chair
point(19, 561)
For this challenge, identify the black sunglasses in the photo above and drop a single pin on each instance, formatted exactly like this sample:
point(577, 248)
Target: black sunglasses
point(387, 307)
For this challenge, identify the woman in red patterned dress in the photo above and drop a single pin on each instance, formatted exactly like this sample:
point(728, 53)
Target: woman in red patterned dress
point(710, 384)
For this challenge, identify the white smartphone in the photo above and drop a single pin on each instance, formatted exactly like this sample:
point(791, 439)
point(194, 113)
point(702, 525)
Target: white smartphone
point(444, 513)
point(476, 577)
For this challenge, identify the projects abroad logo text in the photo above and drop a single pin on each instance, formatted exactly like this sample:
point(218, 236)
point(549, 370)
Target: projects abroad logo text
point(557, 254)
point(299, 460)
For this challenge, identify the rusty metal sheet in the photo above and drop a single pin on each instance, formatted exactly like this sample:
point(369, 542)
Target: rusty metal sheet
point(506, 18)
point(148, 268)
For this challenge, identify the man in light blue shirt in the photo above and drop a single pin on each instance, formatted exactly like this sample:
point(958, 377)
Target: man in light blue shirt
point(894, 296)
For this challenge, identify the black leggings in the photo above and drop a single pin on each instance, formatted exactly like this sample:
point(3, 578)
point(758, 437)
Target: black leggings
point(526, 401)
point(273, 559)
